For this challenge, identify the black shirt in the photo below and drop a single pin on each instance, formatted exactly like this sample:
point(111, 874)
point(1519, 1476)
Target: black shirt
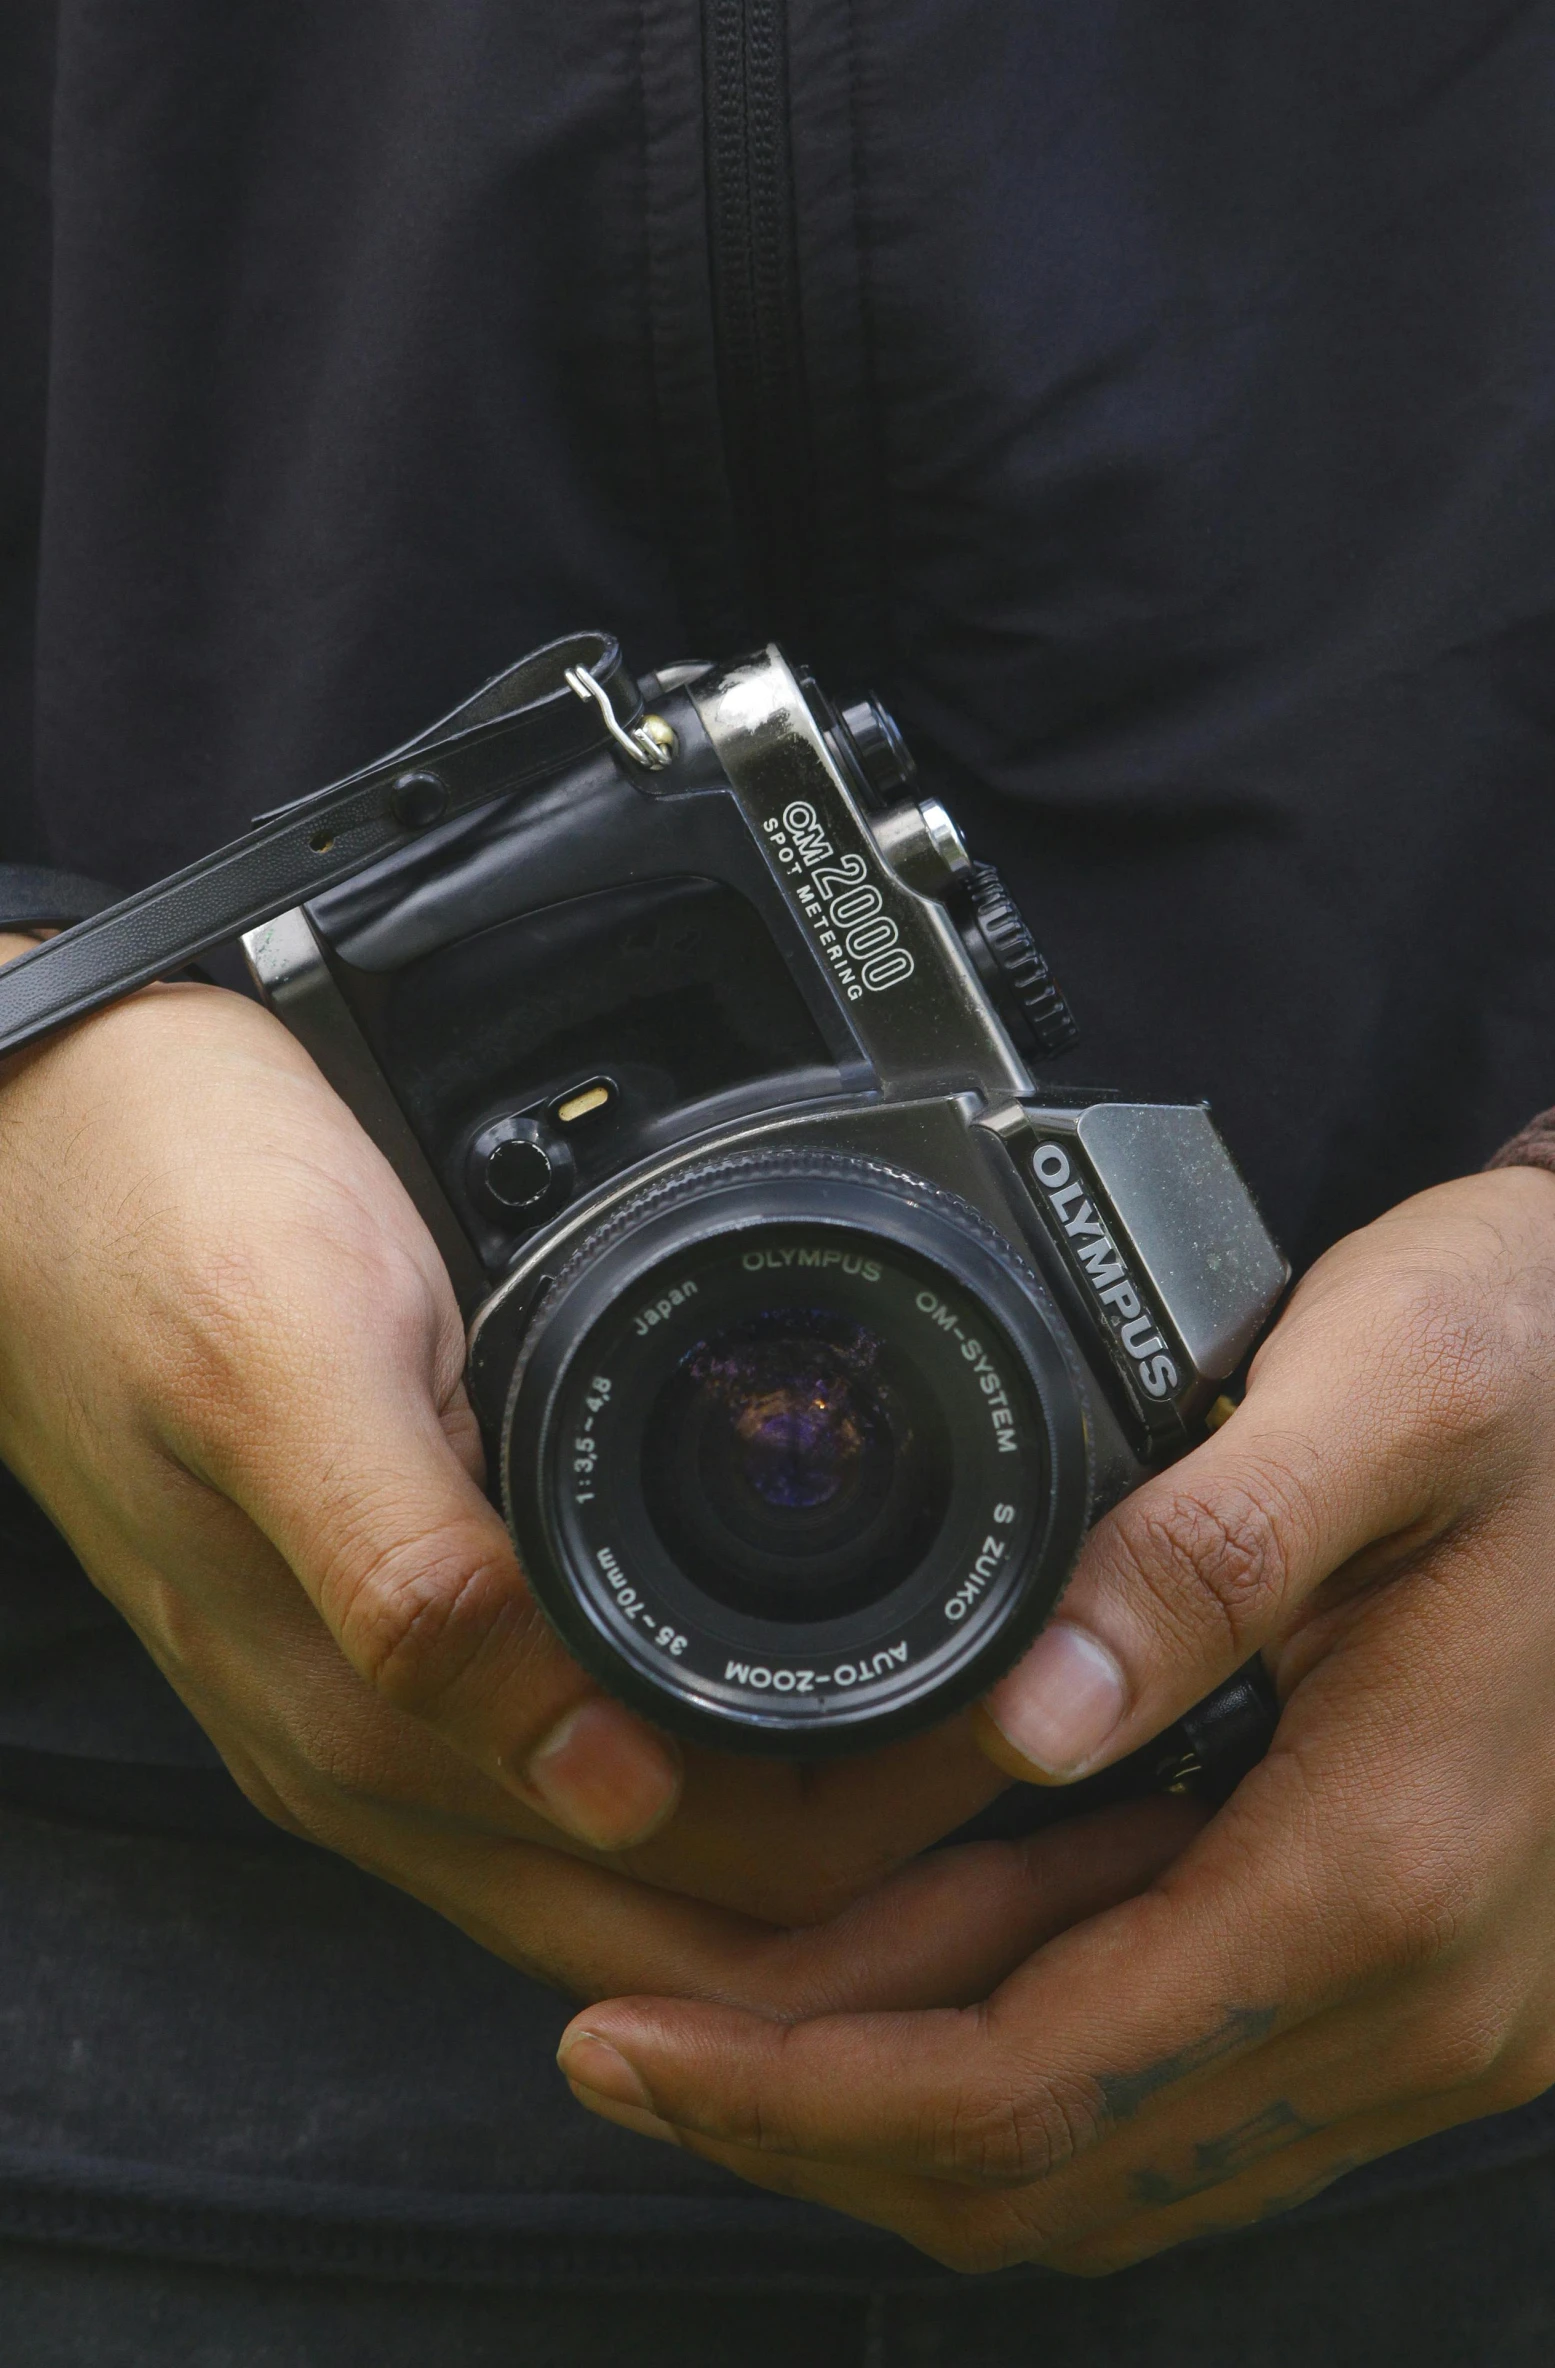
point(1157, 404)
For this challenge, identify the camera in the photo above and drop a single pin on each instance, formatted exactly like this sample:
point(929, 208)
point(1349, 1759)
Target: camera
point(808, 1331)
point(810, 1325)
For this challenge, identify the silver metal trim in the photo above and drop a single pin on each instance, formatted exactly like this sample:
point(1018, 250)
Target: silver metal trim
point(934, 1029)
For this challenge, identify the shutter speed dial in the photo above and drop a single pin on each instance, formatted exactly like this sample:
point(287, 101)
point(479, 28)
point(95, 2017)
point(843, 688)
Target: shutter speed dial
point(1011, 965)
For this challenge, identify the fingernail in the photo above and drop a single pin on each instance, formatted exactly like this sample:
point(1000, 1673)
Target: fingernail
point(604, 1777)
point(1059, 1707)
point(592, 2063)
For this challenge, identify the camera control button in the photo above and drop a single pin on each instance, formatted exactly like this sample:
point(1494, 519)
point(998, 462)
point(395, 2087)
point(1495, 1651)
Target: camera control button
point(518, 1170)
point(922, 845)
point(517, 1174)
point(878, 749)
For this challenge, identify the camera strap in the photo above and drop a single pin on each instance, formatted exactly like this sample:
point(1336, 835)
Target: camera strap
point(561, 703)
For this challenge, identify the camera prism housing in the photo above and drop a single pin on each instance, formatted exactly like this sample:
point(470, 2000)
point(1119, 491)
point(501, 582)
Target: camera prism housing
point(809, 1331)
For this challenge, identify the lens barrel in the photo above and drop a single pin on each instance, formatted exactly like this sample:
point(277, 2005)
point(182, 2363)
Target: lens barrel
point(796, 1453)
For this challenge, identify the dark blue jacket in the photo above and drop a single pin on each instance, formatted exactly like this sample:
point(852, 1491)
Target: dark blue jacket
point(1154, 399)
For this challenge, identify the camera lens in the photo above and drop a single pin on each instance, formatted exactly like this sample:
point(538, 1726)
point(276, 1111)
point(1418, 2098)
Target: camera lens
point(796, 1464)
point(794, 1454)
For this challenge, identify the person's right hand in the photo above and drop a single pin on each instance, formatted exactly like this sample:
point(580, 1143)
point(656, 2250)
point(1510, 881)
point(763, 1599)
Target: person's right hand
point(230, 1370)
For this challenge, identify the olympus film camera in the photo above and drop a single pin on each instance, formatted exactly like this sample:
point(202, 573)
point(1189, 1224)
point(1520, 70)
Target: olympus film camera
point(810, 1327)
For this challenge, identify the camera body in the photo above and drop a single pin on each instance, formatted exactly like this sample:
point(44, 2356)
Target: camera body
point(809, 1331)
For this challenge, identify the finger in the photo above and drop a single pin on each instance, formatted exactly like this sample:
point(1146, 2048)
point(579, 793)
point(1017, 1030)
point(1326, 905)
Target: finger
point(1273, 1915)
point(910, 2093)
point(785, 1843)
point(344, 1461)
point(1112, 2056)
point(1338, 1444)
point(944, 1927)
point(255, 1663)
point(321, 1754)
point(318, 1750)
point(1290, 2174)
point(1353, 1857)
point(580, 1926)
point(1222, 2164)
point(217, 1609)
point(992, 2092)
point(795, 1843)
point(960, 2229)
point(948, 1928)
point(978, 2233)
point(1226, 2139)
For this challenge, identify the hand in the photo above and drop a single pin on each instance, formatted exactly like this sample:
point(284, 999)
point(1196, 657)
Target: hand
point(230, 1370)
point(1360, 1949)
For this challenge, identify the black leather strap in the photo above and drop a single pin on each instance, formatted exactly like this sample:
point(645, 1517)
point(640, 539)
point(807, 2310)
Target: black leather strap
point(520, 727)
point(33, 897)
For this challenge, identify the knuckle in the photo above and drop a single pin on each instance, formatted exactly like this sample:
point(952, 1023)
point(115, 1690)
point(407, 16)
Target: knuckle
point(418, 1617)
point(1223, 1560)
point(1472, 2039)
point(988, 2142)
point(303, 1799)
point(344, 1764)
point(320, 1772)
point(1454, 1342)
point(1462, 2049)
point(1411, 1916)
point(270, 1795)
point(975, 2236)
point(1518, 2076)
point(965, 2250)
point(1014, 2140)
point(205, 1348)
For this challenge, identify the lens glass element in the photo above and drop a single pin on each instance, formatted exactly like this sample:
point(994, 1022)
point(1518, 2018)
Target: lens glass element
point(795, 1464)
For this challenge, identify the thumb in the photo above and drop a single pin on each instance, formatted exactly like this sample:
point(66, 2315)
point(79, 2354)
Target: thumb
point(357, 1480)
point(1203, 1566)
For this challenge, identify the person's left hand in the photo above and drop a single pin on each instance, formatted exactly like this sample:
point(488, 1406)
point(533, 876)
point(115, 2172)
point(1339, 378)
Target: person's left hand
point(1360, 1949)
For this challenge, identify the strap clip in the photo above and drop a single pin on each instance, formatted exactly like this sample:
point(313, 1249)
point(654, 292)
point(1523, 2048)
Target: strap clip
point(650, 743)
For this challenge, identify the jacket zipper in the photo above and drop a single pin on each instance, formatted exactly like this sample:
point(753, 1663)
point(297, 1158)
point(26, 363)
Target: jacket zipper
point(756, 304)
